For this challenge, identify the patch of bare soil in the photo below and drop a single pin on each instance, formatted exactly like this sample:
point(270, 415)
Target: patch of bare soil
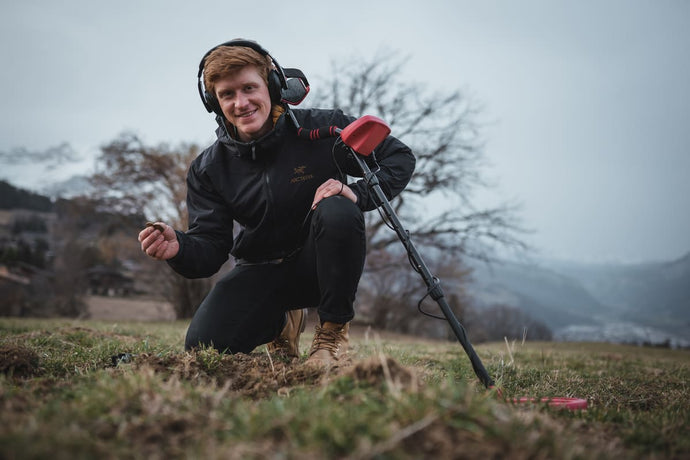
point(381, 369)
point(260, 375)
point(18, 361)
point(252, 375)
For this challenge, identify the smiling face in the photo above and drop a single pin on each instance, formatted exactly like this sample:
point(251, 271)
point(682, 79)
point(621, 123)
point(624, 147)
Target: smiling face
point(244, 99)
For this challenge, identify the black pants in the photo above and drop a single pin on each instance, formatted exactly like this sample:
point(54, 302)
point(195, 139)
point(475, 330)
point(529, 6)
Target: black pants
point(247, 307)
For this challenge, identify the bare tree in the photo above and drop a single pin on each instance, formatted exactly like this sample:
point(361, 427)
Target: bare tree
point(134, 178)
point(443, 131)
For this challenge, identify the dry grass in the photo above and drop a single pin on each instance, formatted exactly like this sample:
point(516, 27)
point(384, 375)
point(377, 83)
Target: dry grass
point(62, 395)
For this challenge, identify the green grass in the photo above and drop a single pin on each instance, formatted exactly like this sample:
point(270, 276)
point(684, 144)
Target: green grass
point(61, 396)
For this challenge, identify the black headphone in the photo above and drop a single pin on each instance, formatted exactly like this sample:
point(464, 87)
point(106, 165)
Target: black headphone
point(277, 81)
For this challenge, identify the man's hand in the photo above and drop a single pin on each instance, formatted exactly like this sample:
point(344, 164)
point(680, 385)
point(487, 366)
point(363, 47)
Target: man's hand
point(333, 187)
point(158, 240)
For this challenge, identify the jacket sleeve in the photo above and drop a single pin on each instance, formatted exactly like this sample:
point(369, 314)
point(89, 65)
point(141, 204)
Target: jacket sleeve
point(206, 245)
point(394, 168)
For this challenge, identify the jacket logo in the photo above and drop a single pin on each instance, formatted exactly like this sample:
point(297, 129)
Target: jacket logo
point(299, 175)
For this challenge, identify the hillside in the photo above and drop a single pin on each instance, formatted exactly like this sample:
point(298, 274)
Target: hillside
point(555, 299)
point(657, 294)
point(620, 303)
point(12, 197)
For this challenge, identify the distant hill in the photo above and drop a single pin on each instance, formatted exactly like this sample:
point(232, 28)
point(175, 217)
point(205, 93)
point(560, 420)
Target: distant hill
point(68, 188)
point(12, 197)
point(657, 294)
point(643, 302)
point(550, 297)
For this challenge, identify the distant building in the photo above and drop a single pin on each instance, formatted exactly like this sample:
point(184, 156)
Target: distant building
point(108, 281)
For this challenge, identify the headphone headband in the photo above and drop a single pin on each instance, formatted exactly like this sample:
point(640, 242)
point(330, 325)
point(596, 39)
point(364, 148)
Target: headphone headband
point(247, 44)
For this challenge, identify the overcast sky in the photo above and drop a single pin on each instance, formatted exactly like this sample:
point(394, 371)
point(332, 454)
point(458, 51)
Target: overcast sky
point(588, 101)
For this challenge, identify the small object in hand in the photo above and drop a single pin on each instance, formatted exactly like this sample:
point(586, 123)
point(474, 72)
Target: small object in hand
point(158, 227)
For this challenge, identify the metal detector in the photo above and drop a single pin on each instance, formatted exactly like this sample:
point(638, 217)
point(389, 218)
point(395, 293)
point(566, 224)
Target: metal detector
point(361, 137)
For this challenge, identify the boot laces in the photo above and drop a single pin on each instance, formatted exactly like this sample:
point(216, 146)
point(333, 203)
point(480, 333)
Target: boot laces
point(327, 339)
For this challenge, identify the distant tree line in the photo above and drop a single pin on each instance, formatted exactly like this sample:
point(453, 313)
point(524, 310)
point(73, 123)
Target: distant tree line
point(12, 197)
point(22, 251)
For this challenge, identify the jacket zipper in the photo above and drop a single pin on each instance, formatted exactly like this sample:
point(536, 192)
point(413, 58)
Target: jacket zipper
point(269, 192)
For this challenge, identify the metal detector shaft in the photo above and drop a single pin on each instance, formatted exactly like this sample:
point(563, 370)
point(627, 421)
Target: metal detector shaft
point(435, 290)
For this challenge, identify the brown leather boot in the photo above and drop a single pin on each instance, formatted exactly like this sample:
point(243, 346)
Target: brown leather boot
point(330, 344)
point(287, 343)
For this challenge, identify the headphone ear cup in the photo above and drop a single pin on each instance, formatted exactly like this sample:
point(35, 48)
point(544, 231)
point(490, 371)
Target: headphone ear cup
point(274, 87)
point(212, 103)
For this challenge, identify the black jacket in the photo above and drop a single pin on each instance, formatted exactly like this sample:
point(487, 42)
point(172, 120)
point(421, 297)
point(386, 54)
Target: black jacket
point(267, 186)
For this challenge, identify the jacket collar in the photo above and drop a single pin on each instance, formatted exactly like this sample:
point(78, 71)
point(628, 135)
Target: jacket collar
point(257, 148)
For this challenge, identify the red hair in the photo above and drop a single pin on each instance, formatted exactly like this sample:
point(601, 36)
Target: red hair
point(226, 60)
